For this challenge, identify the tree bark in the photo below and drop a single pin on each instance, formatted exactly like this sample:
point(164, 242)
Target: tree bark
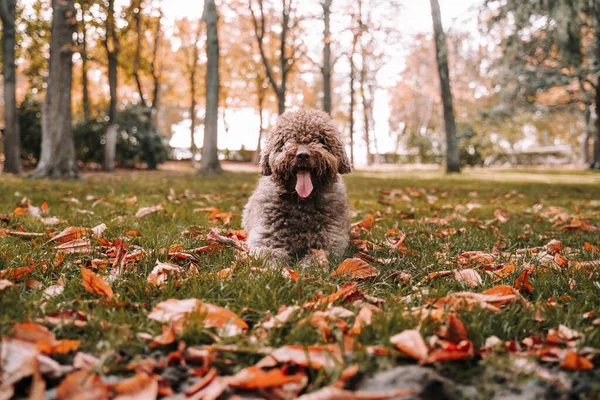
point(596, 150)
point(366, 106)
point(441, 50)
point(111, 43)
point(154, 70)
point(210, 155)
point(352, 95)
point(137, 17)
point(87, 112)
point(587, 135)
point(284, 61)
point(261, 99)
point(57, 159)
point(193, 69)
point(12, 157)
point(326, 68)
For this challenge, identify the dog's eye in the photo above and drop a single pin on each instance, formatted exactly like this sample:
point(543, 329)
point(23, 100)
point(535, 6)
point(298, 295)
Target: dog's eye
point(323, 142)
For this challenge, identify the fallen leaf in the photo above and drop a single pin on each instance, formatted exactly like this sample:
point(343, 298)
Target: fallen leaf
point(334, 393)
point(468, 277)
point(253, 378)
point(95, 284)
point(142, 386)
point(411, 343)
point(4, 283)
point(178, 311)
point(314, 356)
point(69, 234)
point(82, 384)
point(142, 212)
point(576, 223)
point(451, 352)
point(522, 283)
point(354, 268)
point(17, 360)
point(575, 362)
point(159, 273)
point(291, 274)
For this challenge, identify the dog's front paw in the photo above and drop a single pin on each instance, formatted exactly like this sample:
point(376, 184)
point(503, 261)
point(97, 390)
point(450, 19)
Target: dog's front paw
point(316, 258)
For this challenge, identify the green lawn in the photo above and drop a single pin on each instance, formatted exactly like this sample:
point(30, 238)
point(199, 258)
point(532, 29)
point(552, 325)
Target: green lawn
point(441, 216)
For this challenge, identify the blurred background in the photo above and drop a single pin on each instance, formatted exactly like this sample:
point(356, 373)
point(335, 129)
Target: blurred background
point(146, 83)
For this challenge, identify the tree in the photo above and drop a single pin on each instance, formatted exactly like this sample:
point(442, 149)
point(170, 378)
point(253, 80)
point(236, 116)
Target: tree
point(551, 47)
point(57, 159)
point(287, 58)
point(210, 156)
point(111, 44)
point(192, 75)
point(326, 68)
point(12, 161)
point(83, 50)
point(441, 51)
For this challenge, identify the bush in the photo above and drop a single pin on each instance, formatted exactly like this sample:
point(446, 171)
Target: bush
point(137, 141)
point(472, 148)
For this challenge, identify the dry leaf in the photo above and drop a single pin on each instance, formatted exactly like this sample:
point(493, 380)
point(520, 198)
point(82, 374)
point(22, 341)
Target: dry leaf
point(80, 385)
point(95, 284)
point(411, 343)
point(4, 283)
point(142, 386)
point(354, 268)
point(69, 234)
point(142, 212)
point(334, 393)
point(253, 378)
point(315, 356)
point(468, 277)
point(575, 362)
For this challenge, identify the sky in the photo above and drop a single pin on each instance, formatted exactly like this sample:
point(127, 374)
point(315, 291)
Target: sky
point(415, 18)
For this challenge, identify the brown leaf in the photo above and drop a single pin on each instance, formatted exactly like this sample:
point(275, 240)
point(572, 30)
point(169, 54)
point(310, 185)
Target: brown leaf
point(522, 283)
point(178, 311)
point(82, 384)
point(468, 277)
point(366, 223)
point(253, 378)
point(334, 393)
point(142, 386)
point(575, 362)
point(77, 246)
point(17, 360)
point(450, 352)
point(354, 268)
point(142, 212)
point(576, 223)
point(95, 284)
point(4, 284)
point(411, 343)
point(314, 356)
point(160, 272)
point(291, 274)
point(69, 234)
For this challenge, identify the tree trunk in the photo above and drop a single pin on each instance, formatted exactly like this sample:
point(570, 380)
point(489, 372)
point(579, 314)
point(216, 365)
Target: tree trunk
point(193, 148)
point(57, 159)
point(210, 155)
point(137, 17)
point(155, 73)
point(261, 100)
point(112, 50)
point(352, 102)
point(87, 112)
point(326, 57)
point(12, 157)
point(441, 50)
point(596, 152)
point(587, 136)
point(366, 107)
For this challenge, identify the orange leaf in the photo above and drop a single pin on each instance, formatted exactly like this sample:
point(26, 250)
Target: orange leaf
point(69, 234)
point(315, 356)
point(450, 351)
point(253, 378)
point(457, 331)
point(174, 310)
point(366, 223)
point(82, 384)
point(355, 268)
point(411, 343)
point(522, 282)
point(95, 284)
point(469, 277)
point(291, 274)
point(142, 212)
point(142, 386)
point(334, 393)
point(133, 233)
point(59, 347)
point(575, 362)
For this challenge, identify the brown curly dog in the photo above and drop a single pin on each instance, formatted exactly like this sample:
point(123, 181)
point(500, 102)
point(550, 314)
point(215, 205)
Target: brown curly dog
point(300, 202)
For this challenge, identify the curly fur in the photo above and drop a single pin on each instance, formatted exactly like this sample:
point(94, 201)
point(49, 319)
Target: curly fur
point(278, 221)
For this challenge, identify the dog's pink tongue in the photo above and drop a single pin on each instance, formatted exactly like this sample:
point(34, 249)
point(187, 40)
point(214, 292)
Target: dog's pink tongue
point(304, 186)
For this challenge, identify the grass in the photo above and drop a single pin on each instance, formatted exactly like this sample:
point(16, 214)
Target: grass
point(102, 199)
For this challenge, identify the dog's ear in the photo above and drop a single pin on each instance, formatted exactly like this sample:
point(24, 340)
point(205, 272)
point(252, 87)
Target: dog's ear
point(339, 150)
point(265, 168)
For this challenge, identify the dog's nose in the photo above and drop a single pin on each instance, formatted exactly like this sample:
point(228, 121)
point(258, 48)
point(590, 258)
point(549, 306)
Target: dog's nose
point(302, 154)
